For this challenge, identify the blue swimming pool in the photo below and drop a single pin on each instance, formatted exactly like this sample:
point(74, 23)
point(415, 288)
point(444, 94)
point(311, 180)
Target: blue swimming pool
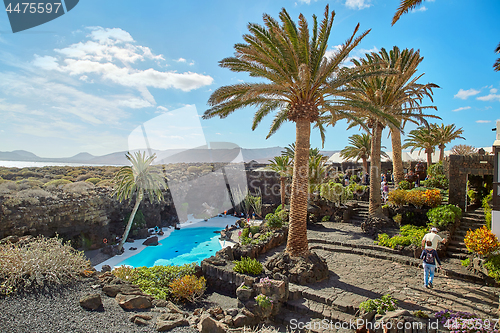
point(181, 247)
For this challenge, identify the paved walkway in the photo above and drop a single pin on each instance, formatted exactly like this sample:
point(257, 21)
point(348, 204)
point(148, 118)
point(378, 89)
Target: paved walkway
point(355, 278)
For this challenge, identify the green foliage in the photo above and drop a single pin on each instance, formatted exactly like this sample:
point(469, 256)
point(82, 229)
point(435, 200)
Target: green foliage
point(443, 215)
point(487, 209)
point(405, 185)
point(325, 218)
point(465, 262)
point(408, 235)
point(277, 219)
point(154, 280)
point(381, 305)
point(335, 192)
point(139, 220)
point(420, 314)
point(188, 288)
point(436, 169)
point(247, 266)
point(93, 180)
point(278, 209)
point(56, 183)
point(493, 267)
point(356, 188)
point(41, 262)
point(263, 301)
point(439, 181)
point(398, 218)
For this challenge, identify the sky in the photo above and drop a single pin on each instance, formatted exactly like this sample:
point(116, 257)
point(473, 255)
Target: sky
point(89, 80)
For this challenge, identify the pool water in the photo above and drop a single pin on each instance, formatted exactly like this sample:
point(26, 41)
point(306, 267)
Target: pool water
point(183, 246)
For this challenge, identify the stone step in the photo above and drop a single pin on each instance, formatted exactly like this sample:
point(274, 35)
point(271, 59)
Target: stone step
point(473, 226)
point(457, 243)
point(457, 249)
point(318, 310)
point(401, 259)
point(475, 217)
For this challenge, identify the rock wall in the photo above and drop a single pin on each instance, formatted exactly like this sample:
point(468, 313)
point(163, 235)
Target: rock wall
point(458, 167)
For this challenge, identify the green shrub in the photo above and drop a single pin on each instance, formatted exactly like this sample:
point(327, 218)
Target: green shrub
point(254, 229)
point(39, 263)
point(56, 183)
point(420, 314)
point(465, 262)
point(443, 215)
point(487, 209)
point(439, 181)
point(381, 305)
point(278, 209)
point(189, 288)
point(277, 219)
point(437, 169)
point(335, 193)
point(325, 218)
point(139, 220)
point(154, 280)
point(493, 267)
point(405, 185)
point(94, 180)
point(398, 218)
point(263, 301)
point(408, 235)
point(247, 266)
point(193, 169)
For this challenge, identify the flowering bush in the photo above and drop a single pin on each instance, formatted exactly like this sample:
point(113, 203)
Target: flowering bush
point(263, 301)
point(188, 287)
point(432, 198)
point(381, 305)
point(481, 241)
point(397, 198)
point(266, 281)
point(465, 322)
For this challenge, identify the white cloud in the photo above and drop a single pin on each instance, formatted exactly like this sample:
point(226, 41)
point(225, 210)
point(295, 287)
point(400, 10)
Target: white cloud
point(461, 108)
point(109, 55)
point(464, 94)
point(419, 9)
point(161, 109)
point(483, 121)
point(493, 91)
point(135, 103)
point(490, 97)
point(46, 62)
point(355, 54)
point(357, 4)
point(305, 1)
point(191, 63)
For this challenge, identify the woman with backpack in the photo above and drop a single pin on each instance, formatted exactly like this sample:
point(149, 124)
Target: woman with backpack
point(429, 255)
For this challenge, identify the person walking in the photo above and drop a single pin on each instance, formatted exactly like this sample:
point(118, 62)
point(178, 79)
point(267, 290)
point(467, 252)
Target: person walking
point(429, 256)
point(434, 238)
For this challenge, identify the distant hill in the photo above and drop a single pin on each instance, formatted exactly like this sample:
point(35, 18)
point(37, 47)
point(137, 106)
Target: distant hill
point(196, 155)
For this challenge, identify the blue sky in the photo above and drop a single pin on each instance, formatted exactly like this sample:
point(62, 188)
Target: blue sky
point(86, 80)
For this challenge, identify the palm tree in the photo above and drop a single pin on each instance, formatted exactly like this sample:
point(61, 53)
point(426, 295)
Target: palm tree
point(397, 98)
point(422, 138)
point(141, 177)
point(445, 134)
point(360, 149)
point(463, 150)
point(301, 84)
point(283, 166)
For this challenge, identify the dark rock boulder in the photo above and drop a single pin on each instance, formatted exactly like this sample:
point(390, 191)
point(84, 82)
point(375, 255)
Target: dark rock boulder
point(299, 270)
point(169, 321)
point(91, 302)
point(151, 241)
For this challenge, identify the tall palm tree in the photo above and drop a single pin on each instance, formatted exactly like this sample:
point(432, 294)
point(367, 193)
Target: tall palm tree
point(422, 138)
point(282, 165)
point(301, 84)
point(406, 106)
point(136, 180)
point(398, 97)
point(445, 134)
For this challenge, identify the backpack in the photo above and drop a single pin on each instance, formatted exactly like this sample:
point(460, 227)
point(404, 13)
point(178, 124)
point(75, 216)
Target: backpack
point(429, 257)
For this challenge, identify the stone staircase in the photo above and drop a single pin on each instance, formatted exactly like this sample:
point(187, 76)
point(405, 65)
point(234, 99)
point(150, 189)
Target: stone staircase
point(470, 220)
point(360, 213)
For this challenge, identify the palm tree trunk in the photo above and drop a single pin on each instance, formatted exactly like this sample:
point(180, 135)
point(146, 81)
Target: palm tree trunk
point(397, 160)
point(429, 157)
point(441, 152)
point(138, 200)
point(297, 234)
point(283, 192)
point(365, 164)
point(375, 200)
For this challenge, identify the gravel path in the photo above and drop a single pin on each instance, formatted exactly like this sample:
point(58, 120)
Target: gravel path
point(60, 311)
